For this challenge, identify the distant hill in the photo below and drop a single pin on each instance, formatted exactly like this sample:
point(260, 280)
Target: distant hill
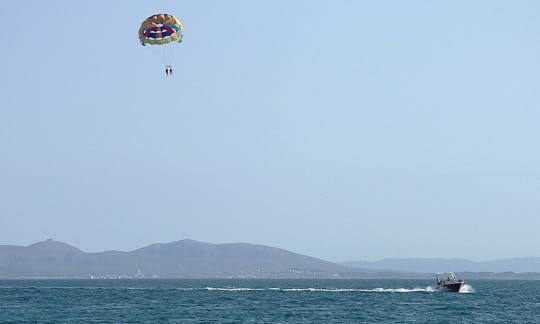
point(181, 259)
point(193, 259)
point(519, 265)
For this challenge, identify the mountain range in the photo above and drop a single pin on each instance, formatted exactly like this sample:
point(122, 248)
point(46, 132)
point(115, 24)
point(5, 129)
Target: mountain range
point(524, 264)
point(180, 259)
point(193, 259)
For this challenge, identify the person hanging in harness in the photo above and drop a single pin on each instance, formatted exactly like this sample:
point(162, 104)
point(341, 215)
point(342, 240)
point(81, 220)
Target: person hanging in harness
point(168, 70)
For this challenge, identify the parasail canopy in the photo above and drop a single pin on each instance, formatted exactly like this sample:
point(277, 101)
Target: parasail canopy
point(160, 29)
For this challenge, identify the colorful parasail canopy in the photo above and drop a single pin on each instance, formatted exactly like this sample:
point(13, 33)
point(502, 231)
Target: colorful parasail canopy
point(160, 29)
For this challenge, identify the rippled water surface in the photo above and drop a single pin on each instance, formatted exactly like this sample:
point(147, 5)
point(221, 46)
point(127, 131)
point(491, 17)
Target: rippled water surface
point(266, 301)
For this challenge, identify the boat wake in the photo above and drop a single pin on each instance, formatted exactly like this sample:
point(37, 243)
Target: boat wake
point(401, 290)
point(330, 290)
point(466, 289)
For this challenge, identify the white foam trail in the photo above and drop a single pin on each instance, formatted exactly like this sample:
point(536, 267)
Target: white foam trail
point(466, 289)
point(233, 289)
point(332, 290)
point(399, 290)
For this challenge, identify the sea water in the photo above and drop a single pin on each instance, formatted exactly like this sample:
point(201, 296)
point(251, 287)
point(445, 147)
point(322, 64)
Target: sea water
point(266, 301)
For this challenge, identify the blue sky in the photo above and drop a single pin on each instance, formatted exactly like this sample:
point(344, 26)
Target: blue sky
point(339, 129)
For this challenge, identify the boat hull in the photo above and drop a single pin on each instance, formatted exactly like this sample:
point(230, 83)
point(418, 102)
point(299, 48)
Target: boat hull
point(453, 287)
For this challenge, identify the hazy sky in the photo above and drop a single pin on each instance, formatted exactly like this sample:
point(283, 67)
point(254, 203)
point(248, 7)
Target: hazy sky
point(338, 129)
